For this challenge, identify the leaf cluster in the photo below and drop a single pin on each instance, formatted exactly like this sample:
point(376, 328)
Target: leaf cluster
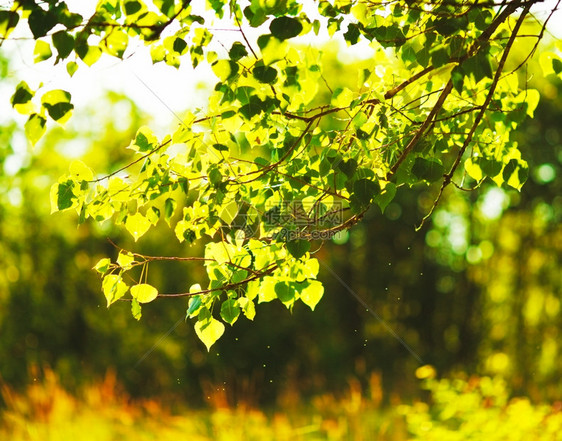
point(285, 155)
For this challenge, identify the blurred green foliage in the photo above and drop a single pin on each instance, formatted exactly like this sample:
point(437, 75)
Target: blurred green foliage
point(459, 409)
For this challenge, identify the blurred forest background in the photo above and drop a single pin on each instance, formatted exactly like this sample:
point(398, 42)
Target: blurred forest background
point(477, 291)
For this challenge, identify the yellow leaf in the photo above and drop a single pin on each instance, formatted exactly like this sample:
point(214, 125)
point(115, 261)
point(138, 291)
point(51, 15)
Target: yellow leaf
point(229, 212)
point(312, 294)
point(113, 288)
point(144, 293)
point(125, 260)
point(222, 69)
point(209, 331)
point(342, 97)
point(274, 51)
point(137, 225)
point(103, 265)
point(267, 290)
point(118, 190)
point(81, 171)
point(473, 169)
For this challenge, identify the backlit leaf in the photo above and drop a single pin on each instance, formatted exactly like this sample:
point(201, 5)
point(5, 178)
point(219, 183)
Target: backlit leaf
point(136, 309)
point(208, 329)
point(125, 260)
point(113, 288)
point(137, 225)
point(116, 43)
point(35, 128)
point(103, 265)
point(312, 294)
point(230, 311)
point(8, 21)
point(21, 99)
point(58, 105)
point(80, 171)
point(42, 51)
point(144, 293)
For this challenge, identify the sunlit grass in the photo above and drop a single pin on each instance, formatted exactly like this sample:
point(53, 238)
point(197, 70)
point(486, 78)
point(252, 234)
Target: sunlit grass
point(478, 408)
point(47, 412)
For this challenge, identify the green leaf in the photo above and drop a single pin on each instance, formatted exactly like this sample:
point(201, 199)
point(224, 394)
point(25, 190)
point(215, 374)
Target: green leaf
point(144, 293)
point(57, 103)
point(457, 78)
point(298, 248)
point(557, 65)
point(65, 195)
point(285, 293)
point(208, 329)
point(169, 208)
point(88, 54)
point(35, 128)
point(167, 7)
point(429, 170)
point(256, 18)
point(348, 167)
point(113, 288)
point(194, 305)
point(237, 51)
point(312, 293)
point(448, 26)
point(103, 265)
point(364, 190)
point(230, 311)
point(478, 66)
point(145, 140)
point(115, 43)
point(491, 167)
point(8, 22)
point(132, 7)
point(21, 99)
point(284, 28)
point(440, 57)
point(64, 44)
point(248, 307)
point(180, 46)
point(386, 196)
point(254, 107)
point(352, 34)
point(71, 68)
point(265, 74)
point(220, 147)
point(40, 22)
point(215, 177)
point(42, 51)
point(136, 309)
point(388, 36)
point(515, 173)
